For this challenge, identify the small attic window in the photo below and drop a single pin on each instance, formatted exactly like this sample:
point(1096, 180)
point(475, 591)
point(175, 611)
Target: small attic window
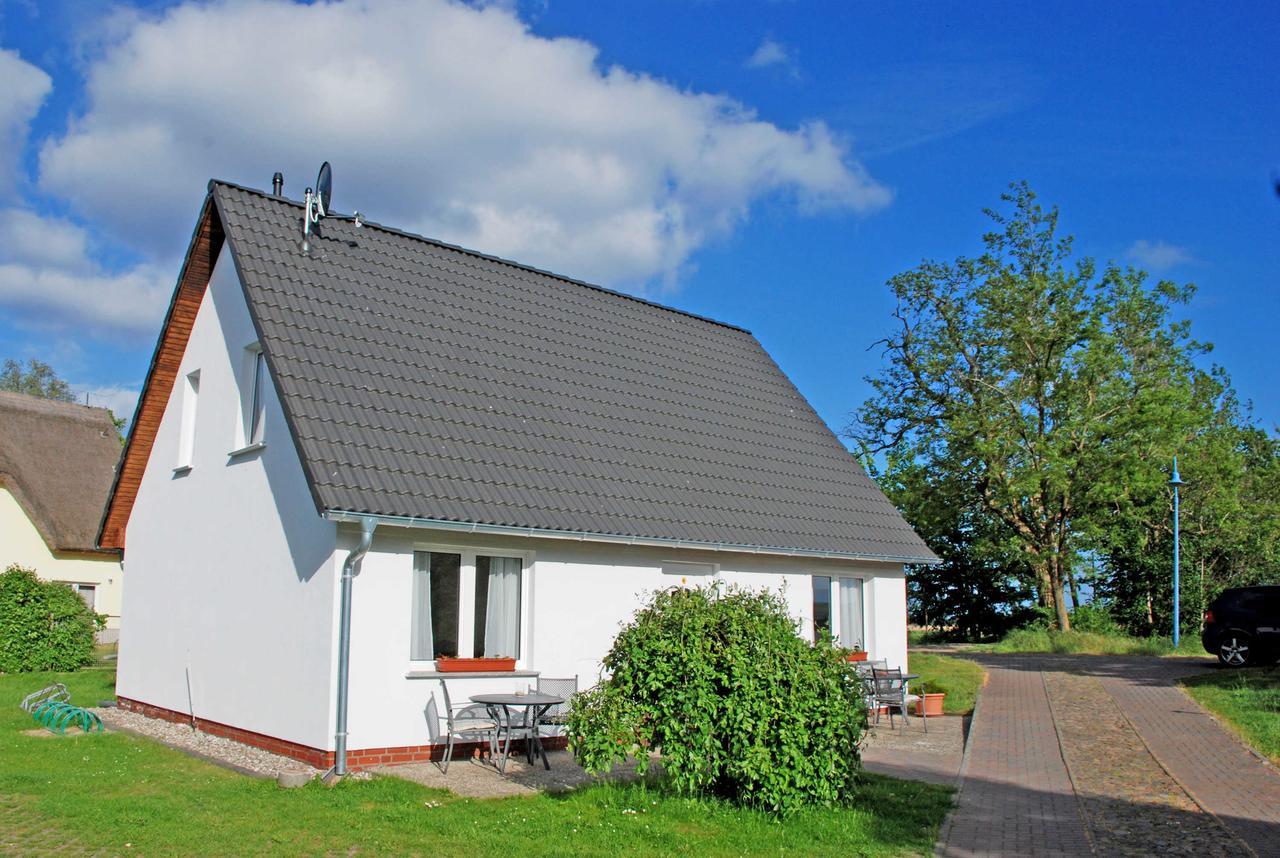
point(187, 438)
point(258, 404)
point(253, 400)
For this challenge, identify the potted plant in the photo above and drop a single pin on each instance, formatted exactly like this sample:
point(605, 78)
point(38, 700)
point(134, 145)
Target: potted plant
point(929, 703)
point(856, 653)
point(493, 664)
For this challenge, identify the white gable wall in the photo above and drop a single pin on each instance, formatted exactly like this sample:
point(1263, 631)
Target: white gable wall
point(231, 573)
point(576, 596)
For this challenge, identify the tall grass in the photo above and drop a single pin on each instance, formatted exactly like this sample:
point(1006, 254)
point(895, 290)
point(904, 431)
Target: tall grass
point(1091, 643)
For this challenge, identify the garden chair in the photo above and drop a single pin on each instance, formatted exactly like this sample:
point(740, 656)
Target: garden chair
point(890, 692)
point(558, 715)
point(471, 723)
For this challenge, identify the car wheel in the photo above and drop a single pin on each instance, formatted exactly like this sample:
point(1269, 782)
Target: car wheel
point(1235, 649)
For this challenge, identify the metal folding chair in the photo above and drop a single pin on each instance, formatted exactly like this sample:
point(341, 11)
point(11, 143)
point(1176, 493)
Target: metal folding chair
point(471, 723)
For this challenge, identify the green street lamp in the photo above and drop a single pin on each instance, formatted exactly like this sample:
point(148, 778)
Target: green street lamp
point(1175, 481)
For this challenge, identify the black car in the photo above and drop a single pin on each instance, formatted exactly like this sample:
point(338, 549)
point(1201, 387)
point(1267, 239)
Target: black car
point(1242, 626)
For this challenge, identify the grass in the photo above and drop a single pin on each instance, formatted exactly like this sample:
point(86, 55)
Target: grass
point(1089, 643)
point(1248, 700)
point(118, 793)
point(958, 677)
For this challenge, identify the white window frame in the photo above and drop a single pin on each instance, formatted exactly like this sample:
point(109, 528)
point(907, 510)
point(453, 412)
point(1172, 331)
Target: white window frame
point(190, 410)
point(467, 600)
point(79, 592)
point(837, 615)
point(251, 426)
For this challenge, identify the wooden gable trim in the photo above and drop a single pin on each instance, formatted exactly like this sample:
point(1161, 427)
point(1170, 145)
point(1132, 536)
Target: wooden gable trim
point(203, 252)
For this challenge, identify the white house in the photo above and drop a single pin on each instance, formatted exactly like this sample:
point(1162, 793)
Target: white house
point(57, 461)
point(529, 455)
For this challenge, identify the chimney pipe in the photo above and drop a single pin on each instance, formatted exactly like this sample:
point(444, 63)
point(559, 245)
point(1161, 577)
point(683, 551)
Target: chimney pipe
point(277, 184)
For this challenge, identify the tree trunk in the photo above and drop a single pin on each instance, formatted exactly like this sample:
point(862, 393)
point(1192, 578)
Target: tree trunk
point(1075, 590)
point(1059, 597)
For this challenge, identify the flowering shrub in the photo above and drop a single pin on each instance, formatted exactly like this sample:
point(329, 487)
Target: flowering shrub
point(737, 704)
point(44, 625)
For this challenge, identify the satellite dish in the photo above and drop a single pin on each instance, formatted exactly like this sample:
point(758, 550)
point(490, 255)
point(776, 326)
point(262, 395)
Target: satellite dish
point(324, 189)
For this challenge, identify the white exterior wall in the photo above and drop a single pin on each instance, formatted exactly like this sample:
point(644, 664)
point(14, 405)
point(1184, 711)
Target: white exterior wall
point(576, 597)
point(231, 585)
point(22, 544)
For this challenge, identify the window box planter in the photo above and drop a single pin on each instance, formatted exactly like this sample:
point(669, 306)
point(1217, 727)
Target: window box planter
point(856, 656)
point(475, 665)
point(930, 705)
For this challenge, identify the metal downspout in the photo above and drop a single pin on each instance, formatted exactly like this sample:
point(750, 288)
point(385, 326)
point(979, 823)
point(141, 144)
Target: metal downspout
point(349, 572)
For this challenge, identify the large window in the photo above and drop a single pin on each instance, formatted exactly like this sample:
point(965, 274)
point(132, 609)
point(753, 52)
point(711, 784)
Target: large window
point(821, 604)
point(465, 604)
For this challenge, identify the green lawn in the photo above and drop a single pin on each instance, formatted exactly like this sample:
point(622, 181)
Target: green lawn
point(958, 677)
point(1090, 643)
point(118, 793)
point(1248, 700)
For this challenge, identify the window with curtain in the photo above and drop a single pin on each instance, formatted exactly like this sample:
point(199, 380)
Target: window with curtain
point(497, 612)
point(852, 629)
point(821, 604)
point(436, 604)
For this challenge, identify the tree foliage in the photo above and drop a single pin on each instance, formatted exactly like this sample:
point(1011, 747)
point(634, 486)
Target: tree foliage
point(38, 379)
point(1041, 393)
point(737, 703)
point(44, 625)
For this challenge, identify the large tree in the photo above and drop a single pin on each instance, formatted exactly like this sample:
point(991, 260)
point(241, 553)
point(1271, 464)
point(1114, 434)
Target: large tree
point(1044, 383)
point(38, 379)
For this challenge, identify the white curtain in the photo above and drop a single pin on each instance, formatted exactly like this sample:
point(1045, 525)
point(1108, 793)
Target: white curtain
point(422, 642)
point(502, 619)
point(851, 628)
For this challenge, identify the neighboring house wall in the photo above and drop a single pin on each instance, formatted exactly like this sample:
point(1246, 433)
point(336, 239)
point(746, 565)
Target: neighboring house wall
point(22, 544)
point(576, 596)
point(231, 572)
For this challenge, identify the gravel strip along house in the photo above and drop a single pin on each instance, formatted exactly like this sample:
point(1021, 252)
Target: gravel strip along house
point(466, 456)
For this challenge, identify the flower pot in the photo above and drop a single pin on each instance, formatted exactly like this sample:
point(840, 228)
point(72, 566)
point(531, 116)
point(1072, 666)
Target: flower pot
point(930, 705)
point(475, 665)
point(856, 656)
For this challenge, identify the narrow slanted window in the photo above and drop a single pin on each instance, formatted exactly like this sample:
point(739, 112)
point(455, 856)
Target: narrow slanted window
point(187, 438)
point(821, 604)
point(497, 611)
point(852, 627)
point(258, 403)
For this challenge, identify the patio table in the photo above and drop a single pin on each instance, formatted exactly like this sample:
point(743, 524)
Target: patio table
point(535, 706)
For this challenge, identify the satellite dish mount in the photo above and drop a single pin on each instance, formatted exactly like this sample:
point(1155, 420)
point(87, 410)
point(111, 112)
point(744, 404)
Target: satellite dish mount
point(316, 203)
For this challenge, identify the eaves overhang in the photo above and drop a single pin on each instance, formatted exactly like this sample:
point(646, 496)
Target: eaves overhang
point(347, 516)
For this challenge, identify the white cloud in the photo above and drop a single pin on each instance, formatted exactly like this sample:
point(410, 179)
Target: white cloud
point(1158, 256)
point(24, 90)
point(770, 53)
point(445, 119)
point(48, 276)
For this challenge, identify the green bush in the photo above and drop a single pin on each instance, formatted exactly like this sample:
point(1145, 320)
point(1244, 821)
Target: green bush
point(1096, 619)
point(44, 625)
point(738, 705)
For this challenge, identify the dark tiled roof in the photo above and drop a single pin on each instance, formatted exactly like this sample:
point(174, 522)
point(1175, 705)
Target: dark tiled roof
point(427, 381)
point(58, 460)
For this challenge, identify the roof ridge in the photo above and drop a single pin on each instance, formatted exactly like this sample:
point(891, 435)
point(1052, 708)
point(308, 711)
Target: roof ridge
point(59, 407)
point(492, 258)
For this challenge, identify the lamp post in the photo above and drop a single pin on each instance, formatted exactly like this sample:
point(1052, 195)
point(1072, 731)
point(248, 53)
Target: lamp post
point(1175, 481)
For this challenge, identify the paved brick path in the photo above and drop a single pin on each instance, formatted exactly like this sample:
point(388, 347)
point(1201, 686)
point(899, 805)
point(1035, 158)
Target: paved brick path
point(1072, 755)
point(1016, 798)
point(1219, 773)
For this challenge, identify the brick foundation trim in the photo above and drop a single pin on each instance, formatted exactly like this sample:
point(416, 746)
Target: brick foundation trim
point(357, 758)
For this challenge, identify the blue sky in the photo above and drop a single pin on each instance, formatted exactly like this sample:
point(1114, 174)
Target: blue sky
point(770, 164)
